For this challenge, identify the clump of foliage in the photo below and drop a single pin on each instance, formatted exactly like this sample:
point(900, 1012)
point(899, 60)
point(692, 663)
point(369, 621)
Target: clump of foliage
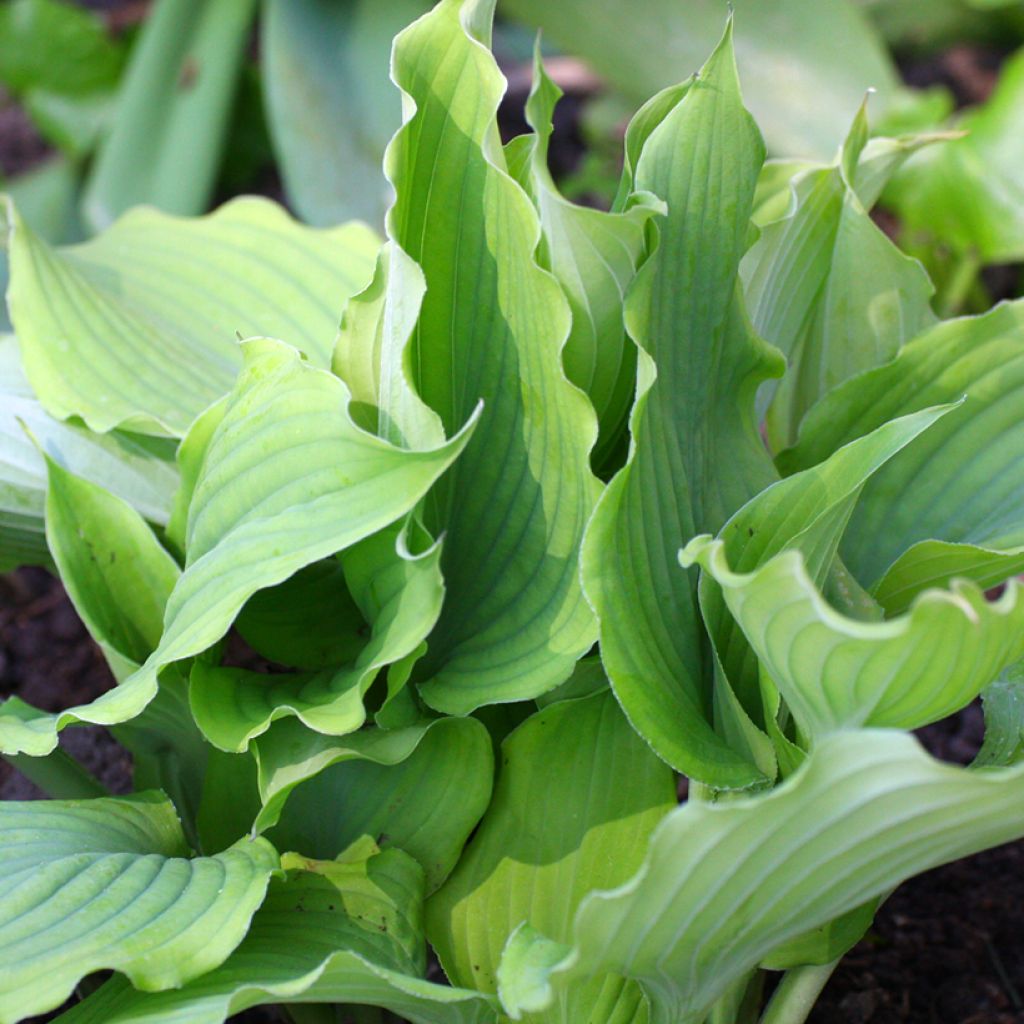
point(521, 556)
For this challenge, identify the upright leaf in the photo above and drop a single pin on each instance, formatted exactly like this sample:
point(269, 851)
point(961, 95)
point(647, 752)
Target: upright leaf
point(138, 328)
point(724, 884)
point(827, 287)
point(696, 455)
point(577, 797)
point(911, 530)
point(805, 63)
point(594, 255)
point(492, 326)
point(93, 884)
point(330, 106)
point(172, 112)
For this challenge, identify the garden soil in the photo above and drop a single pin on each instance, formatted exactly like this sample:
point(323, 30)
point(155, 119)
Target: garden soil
point(947, 948)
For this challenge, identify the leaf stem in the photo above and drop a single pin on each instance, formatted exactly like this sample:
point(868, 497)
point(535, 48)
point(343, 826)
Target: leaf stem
point(58, 775)
point(797, 993)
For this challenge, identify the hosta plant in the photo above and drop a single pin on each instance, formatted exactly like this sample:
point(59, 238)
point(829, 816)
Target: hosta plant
point(427, 566)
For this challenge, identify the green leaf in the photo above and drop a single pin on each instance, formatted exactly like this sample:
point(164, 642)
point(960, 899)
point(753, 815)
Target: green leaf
point(93, 884)
point(492, 326)
point(839, 673)
point(138, 328)
point(399, 595)
point(975, 529)
point(114, 570)
point(697, 455)
point(805, 64)
point(594, 255)
point(127, 465)
point(724, 884)
point(330, 105)
point(344, 933)
point(308, 622)
point(173, 109)
point(577, 797)
point(827, 287)
point(967, 193)
point(56, 46)
point(422, 789)
point(1003, 702)
point(323, 486)
point(806, 512)
point(119, 578)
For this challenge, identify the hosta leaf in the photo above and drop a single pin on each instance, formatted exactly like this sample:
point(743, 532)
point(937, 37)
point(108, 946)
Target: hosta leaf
point(835, 672)
point(724, 884)
point(127, 465)
point(309, 622)
point(577, 797)
point(492, 326)
point(967, 193)
point(138, 328)
point(345, 933)
point(594, 255)
point(371, 354)
point(118, 577)
point(827, 287)
point(173, 110)
point(975, 529)
point(806, 512)
point(423, 789)
point(330, 105)
point(107, 883)
point(323, 486)
point(1004, 719)
point(805, 64)
point(399, 595)
point(697, 455)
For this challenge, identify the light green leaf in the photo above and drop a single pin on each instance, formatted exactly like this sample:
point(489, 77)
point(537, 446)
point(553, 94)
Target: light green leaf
point(806, 512)
point(725, 883)
point(827, 287)
point(330, 105)
point(697, 455)
point(838, 673)
point(173, 110)
point(323, 486)
point(422, 788)
point(969, 193)
point(139, 327)
point(492, 326)
point(975, 529)
point(93, 884)
point(578, 795)
point(318, 938)
point(372, 353)
point(594, 255)
point(805, 64)
point(129, 466)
